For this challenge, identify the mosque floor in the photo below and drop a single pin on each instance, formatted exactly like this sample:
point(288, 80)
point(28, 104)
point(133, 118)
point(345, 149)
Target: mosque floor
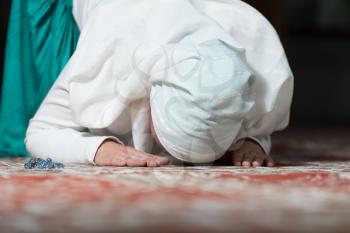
point(308, 191)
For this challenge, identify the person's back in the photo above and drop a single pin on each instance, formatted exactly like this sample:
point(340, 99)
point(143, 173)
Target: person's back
point(204, 78)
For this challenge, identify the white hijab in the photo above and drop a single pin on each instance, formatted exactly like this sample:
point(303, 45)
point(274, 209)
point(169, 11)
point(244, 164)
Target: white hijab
point(125, 44)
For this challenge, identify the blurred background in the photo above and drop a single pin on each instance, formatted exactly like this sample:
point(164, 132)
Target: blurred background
point(316, 35)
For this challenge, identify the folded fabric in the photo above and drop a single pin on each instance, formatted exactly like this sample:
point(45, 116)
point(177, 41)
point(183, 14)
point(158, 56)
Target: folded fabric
point(41, 38)
point(199, 108)
point(125, 45)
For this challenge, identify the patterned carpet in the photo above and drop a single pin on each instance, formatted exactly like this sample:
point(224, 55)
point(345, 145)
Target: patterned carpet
point(309, 191)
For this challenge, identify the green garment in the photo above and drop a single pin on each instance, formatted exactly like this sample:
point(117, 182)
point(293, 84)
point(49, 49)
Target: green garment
point(41, 38)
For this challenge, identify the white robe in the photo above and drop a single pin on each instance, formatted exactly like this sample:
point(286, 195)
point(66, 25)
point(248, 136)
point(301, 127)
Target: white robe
point(101, 95)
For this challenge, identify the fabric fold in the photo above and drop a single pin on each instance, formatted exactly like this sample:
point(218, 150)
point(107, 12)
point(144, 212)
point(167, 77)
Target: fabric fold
point(41, 38)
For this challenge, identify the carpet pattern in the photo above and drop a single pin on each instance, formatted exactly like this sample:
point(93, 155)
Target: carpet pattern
point(308, 191)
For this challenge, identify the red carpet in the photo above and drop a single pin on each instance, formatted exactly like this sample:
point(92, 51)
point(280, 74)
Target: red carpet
point(309, 191)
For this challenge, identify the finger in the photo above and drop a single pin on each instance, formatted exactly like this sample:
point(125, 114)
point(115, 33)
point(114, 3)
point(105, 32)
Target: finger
point(161, 160)
point(151, 162)
point(269, 161)
point(258, 160)
point(136, 155)
point(237, 159)
point(139, 154)
point(118, 162)
point(248, 159)
point(135, 163)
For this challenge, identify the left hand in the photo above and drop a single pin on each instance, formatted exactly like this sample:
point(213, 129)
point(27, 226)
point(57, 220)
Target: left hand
point(250, 154)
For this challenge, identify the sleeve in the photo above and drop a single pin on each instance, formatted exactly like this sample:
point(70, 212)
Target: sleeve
point(263, 141)
point(52, 133)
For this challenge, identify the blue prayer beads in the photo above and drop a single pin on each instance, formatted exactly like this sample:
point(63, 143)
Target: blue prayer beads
point(47, 164)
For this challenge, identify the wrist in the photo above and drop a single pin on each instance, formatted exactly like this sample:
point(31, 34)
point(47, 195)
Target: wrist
point(106, 143)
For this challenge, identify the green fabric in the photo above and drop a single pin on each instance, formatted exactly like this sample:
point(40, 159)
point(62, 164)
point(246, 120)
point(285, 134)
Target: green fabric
point(41, 38)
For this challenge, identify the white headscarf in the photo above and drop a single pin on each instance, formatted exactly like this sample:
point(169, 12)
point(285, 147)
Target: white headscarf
point(198, 105)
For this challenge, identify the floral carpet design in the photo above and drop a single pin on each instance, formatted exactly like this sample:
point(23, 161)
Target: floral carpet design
point(308, 191)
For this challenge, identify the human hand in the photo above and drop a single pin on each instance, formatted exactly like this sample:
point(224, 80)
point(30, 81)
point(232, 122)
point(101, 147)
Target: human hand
point(111, 153)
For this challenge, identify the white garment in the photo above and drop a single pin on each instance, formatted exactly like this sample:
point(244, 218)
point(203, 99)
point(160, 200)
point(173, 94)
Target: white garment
point(198, 110)
point(105, 85)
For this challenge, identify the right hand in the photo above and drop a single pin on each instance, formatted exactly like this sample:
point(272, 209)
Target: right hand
point(111, 153)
